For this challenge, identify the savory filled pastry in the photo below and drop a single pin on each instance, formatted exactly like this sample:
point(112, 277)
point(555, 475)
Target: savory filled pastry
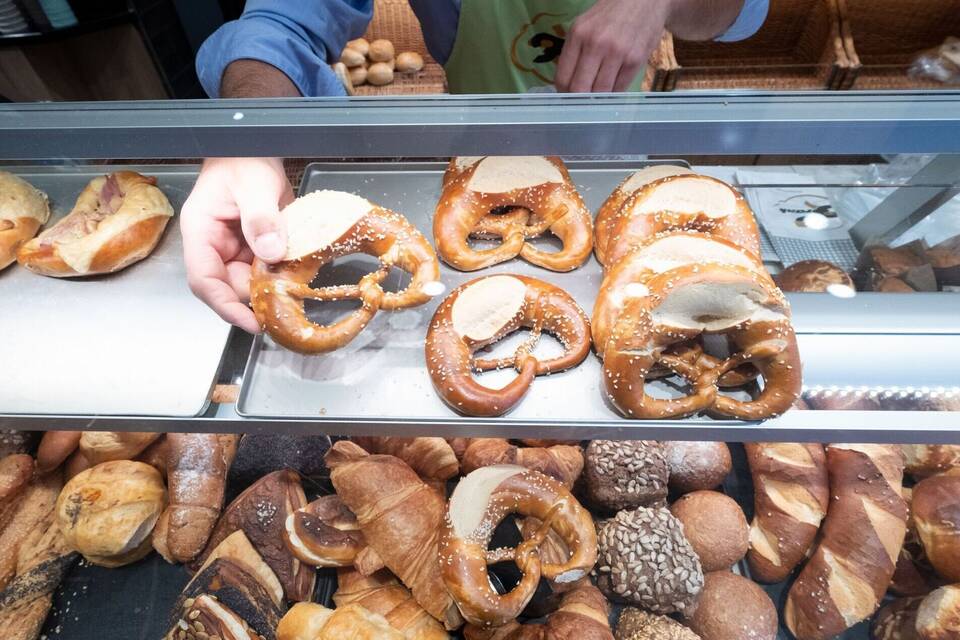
point(321, 227)
point(513, 198)
point(108, 512)
point(482, 312)
point(117, 220)
point(478, 504)
point(23, 210)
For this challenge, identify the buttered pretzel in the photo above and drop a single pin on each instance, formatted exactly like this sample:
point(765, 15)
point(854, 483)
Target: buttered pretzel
point(677, 203)
point(324, 533)
point(321, 227)
point(513, 198)
point(482, 312)
point(479, 503)
point(117, 220)
point(680, 304)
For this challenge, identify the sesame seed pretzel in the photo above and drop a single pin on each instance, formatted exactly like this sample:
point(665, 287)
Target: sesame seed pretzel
point(552, 204)
point(483, 311)
point(480, 502)
point(278, 292)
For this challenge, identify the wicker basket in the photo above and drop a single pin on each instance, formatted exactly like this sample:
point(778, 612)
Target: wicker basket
point(799, 47)
point(882, 38)
point(395, 21)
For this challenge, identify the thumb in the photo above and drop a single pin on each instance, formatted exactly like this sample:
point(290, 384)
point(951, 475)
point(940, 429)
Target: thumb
point(262, 225)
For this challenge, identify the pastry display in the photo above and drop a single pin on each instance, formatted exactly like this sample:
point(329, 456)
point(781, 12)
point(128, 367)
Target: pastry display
point(429, 457)
point(400, 518)
point(482, 312)
point(560, 461)
point(625, 474)
point(732, 606)
point(582, 614)
point(634, 567)
point(791, 497)
point(695, 466)
point(324, 533)
point(478, 504)
point(936, 513)
point(108, 512)
point(813, 276)
point(117, 220)
point(382, 593)
point(637, 624)
point(261, 512)
point(321, 227)
point(715, 526)
point(513, 198)
point(23, 210)
point(859, 543)
point(196, 467)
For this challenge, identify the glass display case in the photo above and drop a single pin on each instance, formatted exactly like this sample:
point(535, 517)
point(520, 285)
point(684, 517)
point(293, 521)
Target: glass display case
point(869, 183)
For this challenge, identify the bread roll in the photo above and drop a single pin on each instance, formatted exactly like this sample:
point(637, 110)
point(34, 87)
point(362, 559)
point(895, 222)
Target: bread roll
point(379, 74)
point(930, 459)
point(409, 62)
point(101, 446)
point(358, 76)
point(352, 58)
point(23, 210)
point(108, 511)
point(381, 51)
point(697, 465)
point(896, 620)
point(938, 617)
point(936, 512)
point(730, 606)
point(359, 44)
point(715, 526)
point(813, 276)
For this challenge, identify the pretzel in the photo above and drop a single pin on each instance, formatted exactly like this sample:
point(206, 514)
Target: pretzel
point(321, 227)
point(483, 311)
point(117, 220)
point(473, 193)
point(480, 502)
point(324, 533)
point(682, 303)
point(678, 203)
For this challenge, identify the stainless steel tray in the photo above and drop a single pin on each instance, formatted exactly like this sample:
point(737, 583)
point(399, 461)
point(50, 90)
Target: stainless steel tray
point(133, 343)
point(380, 377)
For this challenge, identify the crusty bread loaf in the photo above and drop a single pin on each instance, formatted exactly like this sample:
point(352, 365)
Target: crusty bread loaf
point(860, 541)
point(791, 495)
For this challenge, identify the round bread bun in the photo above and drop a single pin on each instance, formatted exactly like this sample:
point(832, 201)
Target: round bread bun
point(409, 62)
point(697, 465)
point(812, 276)
point(381, 51)
point(358, 76)
point(392, 63)
point(730, 606)
point(360, 44)
point(715, 526)
point(352, 58)
point(108, 512)
point(379, 74)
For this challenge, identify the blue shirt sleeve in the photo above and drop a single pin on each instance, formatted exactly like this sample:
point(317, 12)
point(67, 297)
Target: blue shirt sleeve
point(751, 18)
point(299, 37)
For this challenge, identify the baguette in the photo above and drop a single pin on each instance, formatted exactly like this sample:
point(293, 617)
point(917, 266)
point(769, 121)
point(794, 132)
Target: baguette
point(791, 496)
point(860, 541)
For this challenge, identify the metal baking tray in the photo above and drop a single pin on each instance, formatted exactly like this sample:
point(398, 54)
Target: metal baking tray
point(380, 378)
point(136, 342)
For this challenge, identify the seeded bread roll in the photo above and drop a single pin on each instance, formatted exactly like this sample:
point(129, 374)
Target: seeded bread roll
point(624, 474)
point(637, 624)
point(732, 607)
point(697, 465)
point(715, 526)
point(644, 559)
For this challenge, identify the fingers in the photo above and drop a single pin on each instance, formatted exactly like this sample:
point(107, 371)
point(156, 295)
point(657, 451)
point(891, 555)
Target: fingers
point(261, 223)
point(238, 277)
point(588, 65)
point(567, 64)
point(607, 75)
point(626, 76)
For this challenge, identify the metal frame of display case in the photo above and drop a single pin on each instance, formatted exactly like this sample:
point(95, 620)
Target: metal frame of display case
point(674, 124)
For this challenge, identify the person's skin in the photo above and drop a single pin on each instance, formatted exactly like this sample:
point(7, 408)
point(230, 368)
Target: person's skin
point(232, 213)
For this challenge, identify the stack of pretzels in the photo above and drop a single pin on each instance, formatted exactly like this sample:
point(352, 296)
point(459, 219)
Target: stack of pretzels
point(680, 253)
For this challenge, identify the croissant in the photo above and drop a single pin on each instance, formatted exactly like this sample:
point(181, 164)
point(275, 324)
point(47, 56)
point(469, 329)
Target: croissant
point(400, 518)
point(309, 621)
point(382, 593)
point(582, 615)
point(431, 458)
point(561, 462)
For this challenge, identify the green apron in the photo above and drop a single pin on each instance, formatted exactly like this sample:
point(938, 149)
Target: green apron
point(511, 46)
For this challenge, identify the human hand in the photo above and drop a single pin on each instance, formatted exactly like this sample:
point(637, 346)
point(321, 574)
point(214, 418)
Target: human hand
point(609, 44)
point(231, 216)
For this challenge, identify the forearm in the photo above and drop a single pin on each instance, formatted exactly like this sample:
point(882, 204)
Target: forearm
point(255, 79)
point(701, 19)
